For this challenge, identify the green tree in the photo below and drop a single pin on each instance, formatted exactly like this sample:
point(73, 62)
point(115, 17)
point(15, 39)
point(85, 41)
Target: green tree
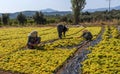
point(39, 18)
point(0, 21)
point(63, 19)
point(21, 18)
point(77, 7)
point(5, 19)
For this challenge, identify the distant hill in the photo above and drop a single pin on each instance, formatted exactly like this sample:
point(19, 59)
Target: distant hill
point(49, 11)
point(0, 14)
point(117, 7)
point(31, 13)
point(102, 9)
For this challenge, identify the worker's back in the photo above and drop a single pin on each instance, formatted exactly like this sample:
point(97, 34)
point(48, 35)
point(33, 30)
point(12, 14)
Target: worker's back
point(61, 29)
point(87, 35)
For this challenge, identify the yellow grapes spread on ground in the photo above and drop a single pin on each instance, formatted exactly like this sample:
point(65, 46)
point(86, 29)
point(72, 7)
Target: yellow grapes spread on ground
point(104, 57)
point(43, 60)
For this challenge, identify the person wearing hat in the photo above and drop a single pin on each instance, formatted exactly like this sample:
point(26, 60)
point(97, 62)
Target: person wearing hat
point(33, 40)
point(87, 35)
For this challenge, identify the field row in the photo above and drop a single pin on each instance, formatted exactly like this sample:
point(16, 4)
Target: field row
point(105, 57)
point(38, 61)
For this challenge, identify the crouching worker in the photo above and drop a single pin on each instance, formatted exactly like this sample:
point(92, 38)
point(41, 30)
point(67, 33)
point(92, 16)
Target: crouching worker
point(33, 40)
point(87, 35)
point(62, 29)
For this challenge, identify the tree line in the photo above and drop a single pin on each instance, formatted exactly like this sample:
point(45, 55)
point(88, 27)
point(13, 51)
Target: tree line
point(22, 19)
point(76, 17)
point(39, 18)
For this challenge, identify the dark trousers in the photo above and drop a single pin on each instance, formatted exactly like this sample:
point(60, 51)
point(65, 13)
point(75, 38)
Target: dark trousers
point(60, 35)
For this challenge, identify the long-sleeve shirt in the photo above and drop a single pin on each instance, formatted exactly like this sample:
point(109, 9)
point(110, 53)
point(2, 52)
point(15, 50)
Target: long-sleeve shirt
point(33, 40)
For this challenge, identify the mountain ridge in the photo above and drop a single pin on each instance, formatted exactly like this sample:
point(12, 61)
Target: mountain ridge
point(101, 9)
point(50, 11)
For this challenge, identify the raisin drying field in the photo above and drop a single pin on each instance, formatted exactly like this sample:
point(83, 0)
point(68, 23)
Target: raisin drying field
point(53, 52)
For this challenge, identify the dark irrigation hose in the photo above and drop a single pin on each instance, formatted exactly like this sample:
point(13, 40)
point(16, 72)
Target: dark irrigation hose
point(60, 69)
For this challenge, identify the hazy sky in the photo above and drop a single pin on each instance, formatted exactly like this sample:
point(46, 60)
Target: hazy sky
point(62, 5)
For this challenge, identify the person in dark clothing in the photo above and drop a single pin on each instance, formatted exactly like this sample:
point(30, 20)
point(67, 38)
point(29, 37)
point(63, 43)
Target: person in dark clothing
point(61, 30)
point(33, 40)
point(87, 35)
